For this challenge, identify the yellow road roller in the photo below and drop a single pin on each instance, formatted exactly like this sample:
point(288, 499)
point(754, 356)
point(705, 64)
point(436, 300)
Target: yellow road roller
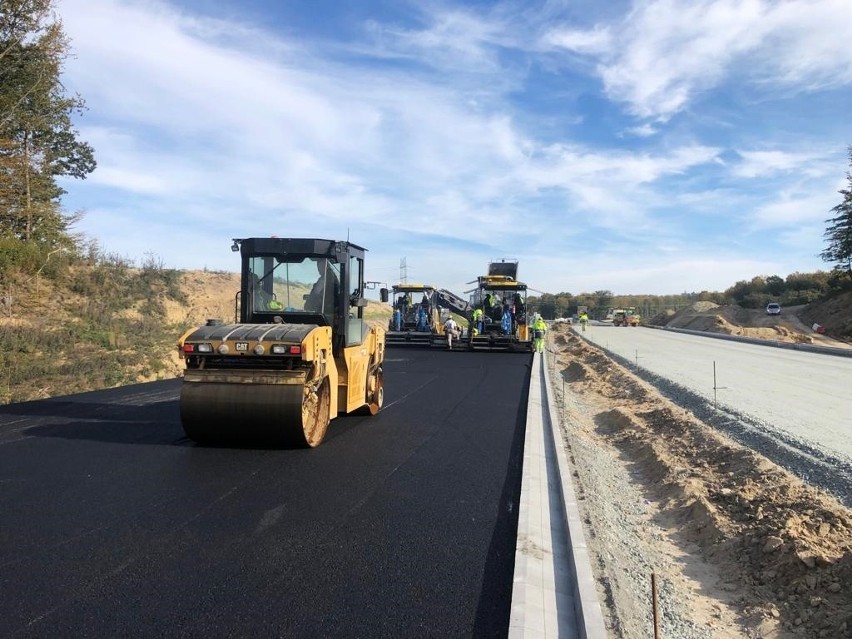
point(298, 353)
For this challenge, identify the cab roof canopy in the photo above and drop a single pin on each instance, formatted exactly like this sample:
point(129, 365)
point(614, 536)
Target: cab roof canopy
point(500, 284)
point(295, 249)
point(412, 288)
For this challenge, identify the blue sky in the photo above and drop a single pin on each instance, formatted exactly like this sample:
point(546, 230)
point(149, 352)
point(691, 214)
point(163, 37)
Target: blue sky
point(652, 146)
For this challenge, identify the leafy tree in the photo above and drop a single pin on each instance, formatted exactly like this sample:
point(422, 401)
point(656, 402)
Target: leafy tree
point(739, 291)
point(37, 140)
point(839, 231)
point(775, 285)
point(603, 299)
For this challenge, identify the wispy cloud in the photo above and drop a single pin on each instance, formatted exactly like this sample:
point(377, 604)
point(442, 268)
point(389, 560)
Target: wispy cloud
point(665, 53)
point(453, 134)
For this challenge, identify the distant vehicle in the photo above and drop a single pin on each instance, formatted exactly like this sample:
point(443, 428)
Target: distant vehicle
point(626, 317)
point(773, 308)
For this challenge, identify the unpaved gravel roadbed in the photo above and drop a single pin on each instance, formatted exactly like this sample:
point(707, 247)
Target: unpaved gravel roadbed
point(740, 547)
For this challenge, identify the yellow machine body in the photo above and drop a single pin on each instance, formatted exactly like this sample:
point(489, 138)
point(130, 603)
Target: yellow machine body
point(284, 370)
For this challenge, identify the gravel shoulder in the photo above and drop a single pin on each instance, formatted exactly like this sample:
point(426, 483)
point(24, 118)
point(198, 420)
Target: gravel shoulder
point(740, 547)
point(796, 397)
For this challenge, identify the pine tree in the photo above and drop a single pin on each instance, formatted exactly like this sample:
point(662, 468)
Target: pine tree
point(37, 140)
point(838, 234)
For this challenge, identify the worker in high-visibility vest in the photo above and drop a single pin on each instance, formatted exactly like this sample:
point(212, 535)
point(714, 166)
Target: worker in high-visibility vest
point(539, 329)
point(477, 320)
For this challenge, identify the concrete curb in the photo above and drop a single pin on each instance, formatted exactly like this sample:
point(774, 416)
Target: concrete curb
point(554, 593)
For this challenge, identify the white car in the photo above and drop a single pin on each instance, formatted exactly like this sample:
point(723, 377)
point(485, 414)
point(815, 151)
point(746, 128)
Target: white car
point(773, 308)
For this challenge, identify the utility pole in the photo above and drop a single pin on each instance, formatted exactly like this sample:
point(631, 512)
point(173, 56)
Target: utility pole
point(403, 271)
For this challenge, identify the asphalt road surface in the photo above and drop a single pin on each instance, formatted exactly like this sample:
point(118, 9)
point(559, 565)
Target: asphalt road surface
point(112, 524)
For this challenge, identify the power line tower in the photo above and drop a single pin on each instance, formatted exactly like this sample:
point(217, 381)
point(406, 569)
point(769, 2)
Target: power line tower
point(403, 271)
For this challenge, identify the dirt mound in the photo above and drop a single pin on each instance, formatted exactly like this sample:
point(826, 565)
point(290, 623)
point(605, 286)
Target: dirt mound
point(661, 319)
point(700, 307)
point(834, 314)
point(783, 549)
point(794, 325)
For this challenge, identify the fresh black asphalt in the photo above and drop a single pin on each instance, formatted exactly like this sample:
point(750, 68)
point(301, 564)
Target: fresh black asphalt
point(113, 524)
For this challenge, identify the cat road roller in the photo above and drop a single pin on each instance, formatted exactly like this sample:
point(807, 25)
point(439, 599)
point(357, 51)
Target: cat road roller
point(298, 353)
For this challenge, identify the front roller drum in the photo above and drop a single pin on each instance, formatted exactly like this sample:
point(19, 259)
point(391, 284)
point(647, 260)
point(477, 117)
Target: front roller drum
point(285, 415)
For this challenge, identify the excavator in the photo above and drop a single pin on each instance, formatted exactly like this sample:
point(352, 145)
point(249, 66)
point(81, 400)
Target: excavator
point(298, 353)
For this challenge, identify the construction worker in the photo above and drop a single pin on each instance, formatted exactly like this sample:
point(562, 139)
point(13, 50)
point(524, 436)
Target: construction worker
point(539, 329)
point(477, 320)
point(584, 319)
point(506, 319)
point(452, 330)
point(263, 299)
point(422, 319)
point(488, 304)
point(324, 292)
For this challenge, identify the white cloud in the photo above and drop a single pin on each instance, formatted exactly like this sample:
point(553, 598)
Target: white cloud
point(669, 51)
point(643, 131)
point(809, 163)
point(595, 42)
point(794, 209)
point(453, 39)
point(808, 44)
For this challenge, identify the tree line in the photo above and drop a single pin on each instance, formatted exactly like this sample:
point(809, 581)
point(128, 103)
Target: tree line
point(795, 289)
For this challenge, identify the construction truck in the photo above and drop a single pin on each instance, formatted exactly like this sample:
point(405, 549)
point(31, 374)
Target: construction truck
point(415, 318)
point(633, 317)
point(499, 319)
point(298, 353)
point(625, 317)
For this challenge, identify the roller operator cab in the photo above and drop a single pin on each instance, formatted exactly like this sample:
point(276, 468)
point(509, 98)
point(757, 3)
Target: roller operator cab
point(298, 353)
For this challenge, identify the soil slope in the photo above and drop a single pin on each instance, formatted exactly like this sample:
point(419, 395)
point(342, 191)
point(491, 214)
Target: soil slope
point(795, 324)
